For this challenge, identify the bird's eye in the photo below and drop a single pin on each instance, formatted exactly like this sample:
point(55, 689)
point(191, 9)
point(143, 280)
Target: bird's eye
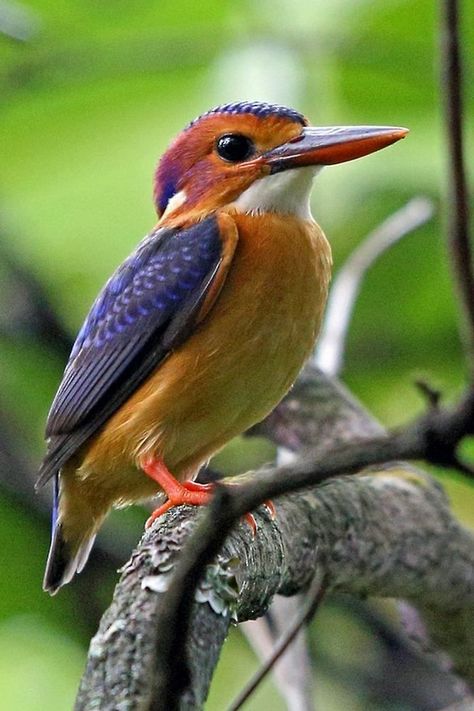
point(234, 147)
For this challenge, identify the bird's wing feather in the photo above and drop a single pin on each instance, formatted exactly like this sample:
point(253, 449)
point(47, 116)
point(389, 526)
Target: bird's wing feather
point(148, 307)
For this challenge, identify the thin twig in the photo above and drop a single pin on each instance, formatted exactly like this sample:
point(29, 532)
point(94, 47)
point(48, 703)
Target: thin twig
point(305, 615)
point(458, 208)
point(329, 354)
point(293, 675)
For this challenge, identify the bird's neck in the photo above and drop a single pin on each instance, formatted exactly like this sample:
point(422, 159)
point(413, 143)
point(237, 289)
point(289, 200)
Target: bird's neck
point(286, 194)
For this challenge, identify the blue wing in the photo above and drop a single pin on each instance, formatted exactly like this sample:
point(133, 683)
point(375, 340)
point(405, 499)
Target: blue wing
point(145, 310)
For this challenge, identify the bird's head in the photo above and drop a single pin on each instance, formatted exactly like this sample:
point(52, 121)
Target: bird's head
point(256, 156)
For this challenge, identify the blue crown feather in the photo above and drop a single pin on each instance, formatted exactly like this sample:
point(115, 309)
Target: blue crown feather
point(257, 108)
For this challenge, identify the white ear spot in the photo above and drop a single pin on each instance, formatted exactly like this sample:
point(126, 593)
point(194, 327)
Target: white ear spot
point(287, 193)
point(173, 203)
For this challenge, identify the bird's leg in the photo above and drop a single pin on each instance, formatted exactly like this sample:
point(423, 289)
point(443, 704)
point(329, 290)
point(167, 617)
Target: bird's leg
point(177, 493)
point(190, 492)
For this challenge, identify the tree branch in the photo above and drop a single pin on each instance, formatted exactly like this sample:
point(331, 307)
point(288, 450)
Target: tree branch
point(293, 672)
point(385, 529)
point(364, 533)
point(305, 615)
point(329, 352)
point(458, 205)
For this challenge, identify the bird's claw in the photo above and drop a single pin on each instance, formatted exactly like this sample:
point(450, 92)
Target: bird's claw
point(189, 492)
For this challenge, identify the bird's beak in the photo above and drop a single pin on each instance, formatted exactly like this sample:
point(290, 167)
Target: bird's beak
point(331, 144)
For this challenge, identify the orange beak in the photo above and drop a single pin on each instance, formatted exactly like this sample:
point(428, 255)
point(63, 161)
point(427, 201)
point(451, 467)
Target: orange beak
point(331, 144)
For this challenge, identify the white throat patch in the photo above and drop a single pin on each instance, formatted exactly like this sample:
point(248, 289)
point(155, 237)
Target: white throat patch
point(286, 192)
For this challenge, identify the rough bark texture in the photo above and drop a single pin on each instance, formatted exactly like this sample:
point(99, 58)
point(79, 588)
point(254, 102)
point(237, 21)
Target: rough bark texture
point(387, 533)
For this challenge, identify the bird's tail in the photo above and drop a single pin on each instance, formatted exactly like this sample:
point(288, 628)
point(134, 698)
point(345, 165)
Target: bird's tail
point(69, 551)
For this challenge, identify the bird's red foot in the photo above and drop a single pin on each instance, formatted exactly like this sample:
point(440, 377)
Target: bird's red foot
point(271, 510)
point(190, 492)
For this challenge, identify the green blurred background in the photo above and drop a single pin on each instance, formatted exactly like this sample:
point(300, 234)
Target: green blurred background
point(91, 94)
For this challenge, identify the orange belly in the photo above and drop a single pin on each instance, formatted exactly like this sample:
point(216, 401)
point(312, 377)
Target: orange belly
point(231, 372)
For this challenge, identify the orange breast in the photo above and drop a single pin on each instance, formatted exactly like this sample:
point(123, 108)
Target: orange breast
point(233, 370)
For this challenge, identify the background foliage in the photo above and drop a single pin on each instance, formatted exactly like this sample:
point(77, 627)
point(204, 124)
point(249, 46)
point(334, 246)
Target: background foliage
point(91, 94)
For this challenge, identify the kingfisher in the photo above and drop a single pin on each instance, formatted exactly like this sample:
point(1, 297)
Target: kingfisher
point(202, 330)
